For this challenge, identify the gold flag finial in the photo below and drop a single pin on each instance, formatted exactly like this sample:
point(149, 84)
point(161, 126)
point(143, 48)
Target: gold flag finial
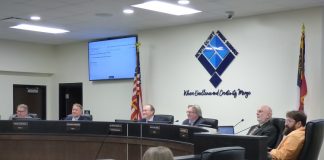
point(138, 45)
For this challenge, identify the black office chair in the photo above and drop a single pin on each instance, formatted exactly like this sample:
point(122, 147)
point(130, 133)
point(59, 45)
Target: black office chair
point(164, 118)
point(314, 133)
point(210, 122)
point(33, 115)
point(224, 153)
point(279, 123)
point(188, 157)
point(89, 116)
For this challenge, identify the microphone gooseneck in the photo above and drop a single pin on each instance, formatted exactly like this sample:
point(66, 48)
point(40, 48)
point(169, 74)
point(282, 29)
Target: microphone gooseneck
point(243, 130)
point(239, 122)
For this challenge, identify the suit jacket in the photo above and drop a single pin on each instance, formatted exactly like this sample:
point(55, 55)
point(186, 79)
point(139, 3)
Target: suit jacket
point(81, 118)
point(267, 129)
point(155, 119)
point(199, 121)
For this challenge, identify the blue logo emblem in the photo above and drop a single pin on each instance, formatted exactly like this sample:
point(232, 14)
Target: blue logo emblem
point(216, 54)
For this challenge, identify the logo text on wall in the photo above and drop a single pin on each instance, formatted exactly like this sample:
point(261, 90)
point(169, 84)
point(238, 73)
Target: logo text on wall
point(235, 93)
point(216, 54)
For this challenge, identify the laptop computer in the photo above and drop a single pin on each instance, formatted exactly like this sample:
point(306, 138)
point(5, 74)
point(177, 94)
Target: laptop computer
point(225, 130)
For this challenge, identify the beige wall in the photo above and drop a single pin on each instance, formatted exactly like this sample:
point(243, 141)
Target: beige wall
point(24, 63)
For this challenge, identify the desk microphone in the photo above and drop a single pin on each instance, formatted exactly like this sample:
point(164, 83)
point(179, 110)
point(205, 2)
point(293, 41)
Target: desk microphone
point(239, 122)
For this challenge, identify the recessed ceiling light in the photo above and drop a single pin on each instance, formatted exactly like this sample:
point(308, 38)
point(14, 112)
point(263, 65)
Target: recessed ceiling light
point(183, 2)
point(168, 8)
point(35, 18)
point(39, 28)
point(128, 11)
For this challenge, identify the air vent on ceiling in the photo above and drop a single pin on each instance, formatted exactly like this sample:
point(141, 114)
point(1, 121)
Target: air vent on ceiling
point(14, 20)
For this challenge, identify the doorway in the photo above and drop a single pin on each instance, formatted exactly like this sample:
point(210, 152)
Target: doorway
point(34, 96)
point(69, 93)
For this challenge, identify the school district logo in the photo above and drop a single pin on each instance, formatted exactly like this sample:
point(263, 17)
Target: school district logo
point(216, 54)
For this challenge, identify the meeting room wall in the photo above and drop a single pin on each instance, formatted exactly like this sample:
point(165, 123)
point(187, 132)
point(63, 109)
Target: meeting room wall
point(266, 65)
point(268, 47)
point(107, 100)
point(24, 63)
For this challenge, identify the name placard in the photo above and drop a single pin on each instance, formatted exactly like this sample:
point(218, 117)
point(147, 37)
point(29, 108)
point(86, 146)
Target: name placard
point(183, 133)
point(20, 126)
point(115, 128)
point(73, 126)
point(154, 130)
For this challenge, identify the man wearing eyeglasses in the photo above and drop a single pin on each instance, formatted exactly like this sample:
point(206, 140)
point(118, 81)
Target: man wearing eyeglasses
point(194, 115)
point(291, 145)
point(21, 112)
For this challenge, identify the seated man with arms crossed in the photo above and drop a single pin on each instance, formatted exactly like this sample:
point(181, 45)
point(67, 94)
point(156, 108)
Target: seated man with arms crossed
point(194, 115)
point(77, 114)
point(291, 145)
point(265, 127)
point(21, 112)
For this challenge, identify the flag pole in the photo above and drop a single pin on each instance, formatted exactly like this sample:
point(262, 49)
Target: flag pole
point(136, 105)
point(301, 79)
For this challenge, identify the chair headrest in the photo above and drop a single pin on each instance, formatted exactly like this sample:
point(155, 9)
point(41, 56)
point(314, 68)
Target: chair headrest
point(33, 115)
point(223, 153)
point(213, 123)
point(165, 118)
point(314, 132)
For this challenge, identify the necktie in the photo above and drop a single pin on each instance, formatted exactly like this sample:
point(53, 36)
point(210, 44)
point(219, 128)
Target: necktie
point(255, 129)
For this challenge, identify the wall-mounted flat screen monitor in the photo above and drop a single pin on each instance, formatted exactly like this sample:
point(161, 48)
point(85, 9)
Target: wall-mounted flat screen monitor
point(113, 58)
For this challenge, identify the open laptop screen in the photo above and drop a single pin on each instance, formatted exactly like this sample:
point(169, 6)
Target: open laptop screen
point(225, 129)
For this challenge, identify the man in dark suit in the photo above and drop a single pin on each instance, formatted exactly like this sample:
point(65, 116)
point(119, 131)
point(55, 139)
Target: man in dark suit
point(194, 115)
point(265, 127)
point(77, 114)
point(148, 114)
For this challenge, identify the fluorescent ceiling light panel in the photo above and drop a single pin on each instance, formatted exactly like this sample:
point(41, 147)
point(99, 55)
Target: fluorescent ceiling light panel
point(39, 28)
point(168, 8)
point(35, 18)
point(183, 2)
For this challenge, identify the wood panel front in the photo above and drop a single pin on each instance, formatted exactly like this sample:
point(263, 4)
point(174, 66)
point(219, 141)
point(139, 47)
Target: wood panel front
point(82, 147)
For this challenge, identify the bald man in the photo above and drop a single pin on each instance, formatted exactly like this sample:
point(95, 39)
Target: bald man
point(265, 127)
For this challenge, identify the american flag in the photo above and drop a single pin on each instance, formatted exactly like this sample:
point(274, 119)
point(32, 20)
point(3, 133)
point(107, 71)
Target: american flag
point(136, 106)
point(301, 79)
